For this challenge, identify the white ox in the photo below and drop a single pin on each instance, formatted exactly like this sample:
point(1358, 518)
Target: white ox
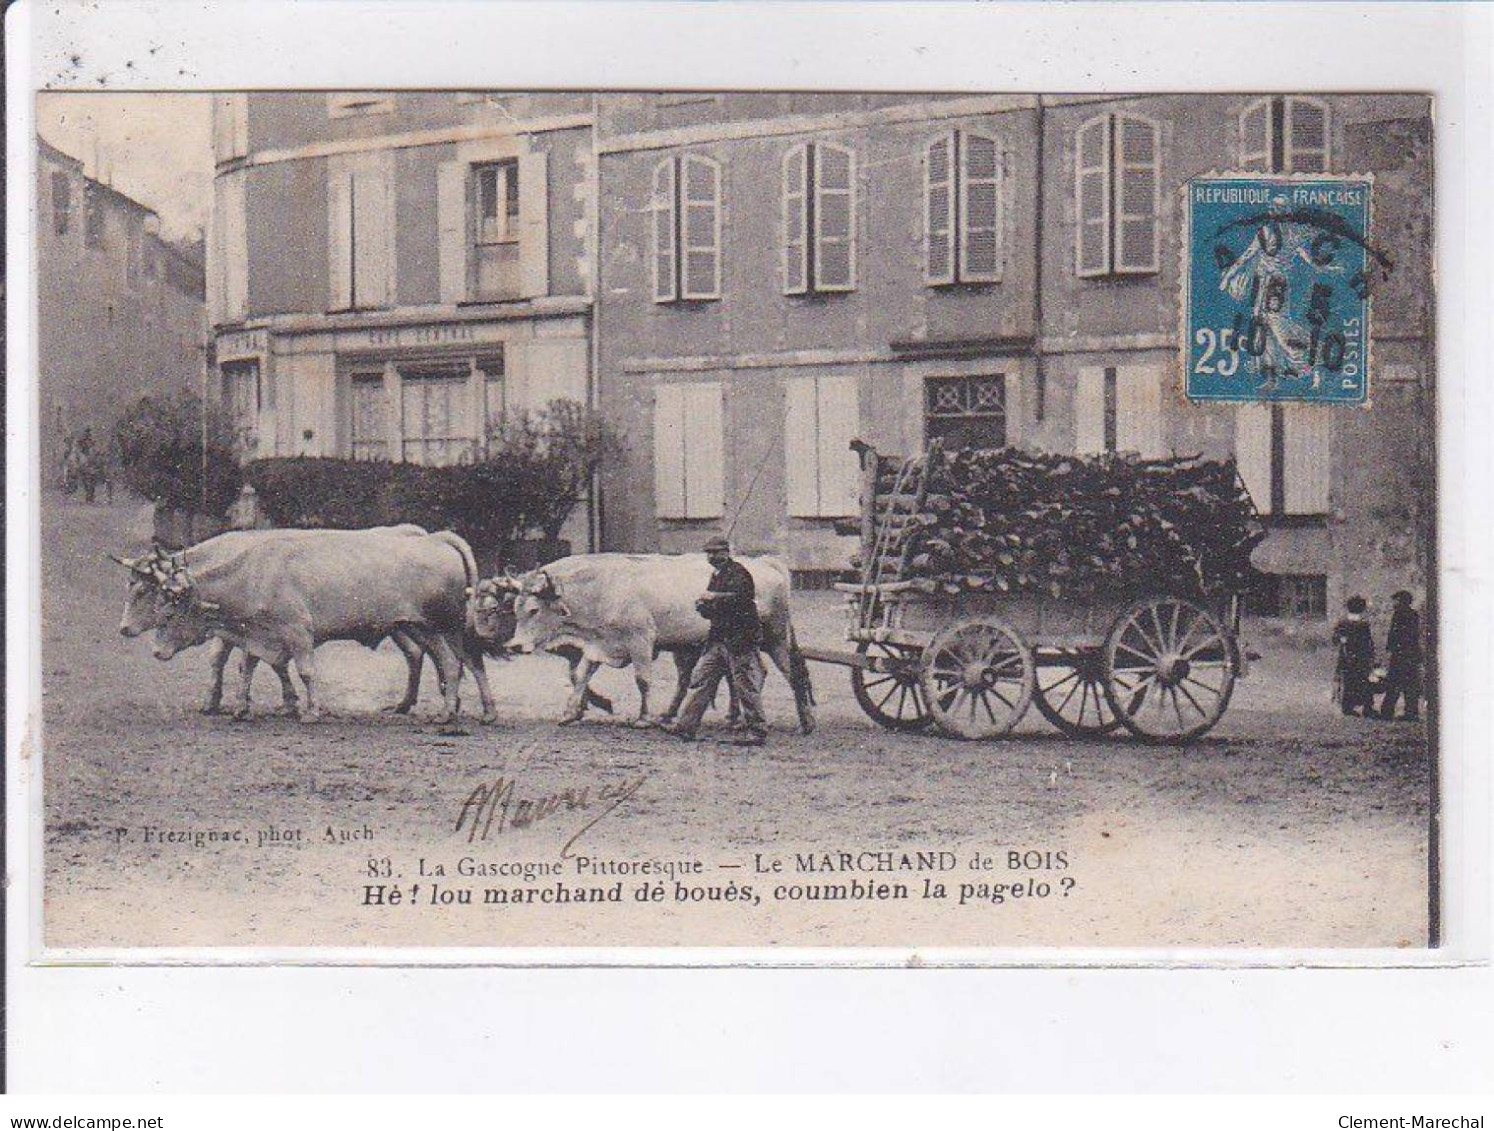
point(279, 594)
point(621, 609)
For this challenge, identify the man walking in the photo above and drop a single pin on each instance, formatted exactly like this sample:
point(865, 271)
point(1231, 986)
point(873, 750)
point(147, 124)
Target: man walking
point(1403, 672)
point(732, 648)
point(1356, 659)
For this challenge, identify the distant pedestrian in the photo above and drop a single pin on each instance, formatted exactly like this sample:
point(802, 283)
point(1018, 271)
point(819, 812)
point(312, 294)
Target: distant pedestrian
point(733, 649)
point(1403, 645)
point(1356, 659)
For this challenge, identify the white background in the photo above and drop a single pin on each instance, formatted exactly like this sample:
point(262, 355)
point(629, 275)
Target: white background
point(1023, 1029)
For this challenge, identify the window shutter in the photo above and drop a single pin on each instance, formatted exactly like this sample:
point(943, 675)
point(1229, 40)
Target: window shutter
point(1136, 200)
point(800, 447)
point(1089, 411)
point(662, 204)
point(795, 213)
point(451, 229)
point(1306, 136)
point(1138, 411)
point(339, 231)
point(1253, 452)
point(1307, 470)
point(938, 210)
point(704, 451)
point(980, 209)
point(236, 247)
point(373, 259)
point(839, 419)
point(534, 225)
point(669, 451)
point(700, 274)
point(835, 218)
point(1255, 137)
point(1092, 197)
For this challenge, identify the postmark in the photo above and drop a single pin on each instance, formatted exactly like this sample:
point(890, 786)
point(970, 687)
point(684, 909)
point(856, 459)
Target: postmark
point(1278, 273)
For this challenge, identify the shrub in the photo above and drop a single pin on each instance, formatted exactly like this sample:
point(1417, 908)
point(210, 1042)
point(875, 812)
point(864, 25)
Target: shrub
point(159, 440)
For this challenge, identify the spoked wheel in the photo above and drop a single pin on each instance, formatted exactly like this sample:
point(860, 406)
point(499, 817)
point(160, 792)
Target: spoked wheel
point(892, 698)
point(1070, 692)
point(977, 677)
point(1169, 669)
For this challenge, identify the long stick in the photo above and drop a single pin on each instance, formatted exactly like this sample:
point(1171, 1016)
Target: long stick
point(742, 504)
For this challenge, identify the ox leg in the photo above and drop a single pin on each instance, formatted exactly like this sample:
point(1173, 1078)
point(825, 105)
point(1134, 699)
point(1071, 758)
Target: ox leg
point(414, 664)
point(643, 672)
point(790, 661)
point(306, 664)
point(685, 660)
point(221, 651)
point(575, 706)
point(472, 657)
point(246, 679)
point(290, 702)
point(449, 669)
point(591, 698)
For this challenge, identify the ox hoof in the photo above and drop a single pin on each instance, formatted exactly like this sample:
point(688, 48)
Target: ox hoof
point(211, 709)
point(568, 718)
point(399, 709)
point(310, 715)
point(643, 722)
point(289, 710)
point(490, 718)
point(806, 726)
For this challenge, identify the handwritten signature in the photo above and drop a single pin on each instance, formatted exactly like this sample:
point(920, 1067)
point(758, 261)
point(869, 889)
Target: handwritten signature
point(490, 809)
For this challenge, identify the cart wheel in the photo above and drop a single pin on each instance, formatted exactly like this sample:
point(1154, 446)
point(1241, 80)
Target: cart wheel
point(892, 698)
point(1070, 692)
point(977, 677)
point(1169, 669)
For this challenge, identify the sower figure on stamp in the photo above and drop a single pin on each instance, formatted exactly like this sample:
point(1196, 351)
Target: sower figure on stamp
point(1403, 672)
point(1356, 659)
point(732, 649)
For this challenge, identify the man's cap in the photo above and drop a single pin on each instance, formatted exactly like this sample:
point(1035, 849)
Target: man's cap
point(1356, 604)
point(717, 542)
point(1401, 595)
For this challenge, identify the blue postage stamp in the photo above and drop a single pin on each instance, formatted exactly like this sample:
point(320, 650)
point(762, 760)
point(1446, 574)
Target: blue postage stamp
point(1276, 288)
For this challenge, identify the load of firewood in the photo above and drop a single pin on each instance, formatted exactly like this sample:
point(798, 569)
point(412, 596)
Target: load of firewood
point(1008, 521)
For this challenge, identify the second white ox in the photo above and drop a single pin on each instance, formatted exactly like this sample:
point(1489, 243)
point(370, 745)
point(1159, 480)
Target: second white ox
point(621, 609)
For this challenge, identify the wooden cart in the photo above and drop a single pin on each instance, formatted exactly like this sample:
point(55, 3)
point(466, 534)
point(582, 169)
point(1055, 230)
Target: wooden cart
point(1162, 666)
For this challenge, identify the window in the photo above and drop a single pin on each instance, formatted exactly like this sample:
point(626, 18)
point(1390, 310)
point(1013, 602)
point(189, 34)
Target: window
point(1117, 187)
point(361, 203)
point(436, 405)
point(241, 401)
point(965, 412)
point(494, 394)
point(354, 104)
point(1283, 455)
point(93, 217)
point(686, 209)
point(962, 209)
point(688, 451)
point(370, 431)
point(62, 203)
point(1118, 409)
point(1300, 595)
point(1284, 135)
point(822, 416)
point(496, 196)
point(819, 219)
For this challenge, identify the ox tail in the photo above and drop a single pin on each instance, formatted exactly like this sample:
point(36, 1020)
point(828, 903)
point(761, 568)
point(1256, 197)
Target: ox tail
point(459, 544)
point(799, 666)
point(469, 566)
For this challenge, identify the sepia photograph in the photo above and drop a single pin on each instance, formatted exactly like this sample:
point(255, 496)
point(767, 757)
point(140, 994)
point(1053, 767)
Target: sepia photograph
point(739, 518)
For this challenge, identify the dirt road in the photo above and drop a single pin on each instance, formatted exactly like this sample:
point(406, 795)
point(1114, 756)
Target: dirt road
point(1288, 826)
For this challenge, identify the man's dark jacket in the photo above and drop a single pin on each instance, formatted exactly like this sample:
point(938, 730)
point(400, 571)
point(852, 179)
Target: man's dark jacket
point(733, 617)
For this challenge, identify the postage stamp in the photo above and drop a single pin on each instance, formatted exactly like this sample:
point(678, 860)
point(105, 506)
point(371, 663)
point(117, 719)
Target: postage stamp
point(1277, 275)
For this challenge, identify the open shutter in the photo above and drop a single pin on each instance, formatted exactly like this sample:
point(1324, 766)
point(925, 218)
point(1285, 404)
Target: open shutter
point(1253, 452)
point(1307, 471)
point(1255, 137)
point(839, 418)
point(980, 209)
point(669, 451)
point(1089, 411)
point(834, 218)
point(373, 234)
point(662, 207)
point(534, 225)
point(795, 222)
point(704, 451)
point(339, 235)
point(1092, 197)
point(801, 449)
point(1138, 411)
point(451, 229)
point(232, 188)
point(700, 269)
point(1306, 136)
point(1137, 196)
point(938, 210)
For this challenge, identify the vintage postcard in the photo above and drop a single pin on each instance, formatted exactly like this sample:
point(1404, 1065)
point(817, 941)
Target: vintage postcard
point(515, 519)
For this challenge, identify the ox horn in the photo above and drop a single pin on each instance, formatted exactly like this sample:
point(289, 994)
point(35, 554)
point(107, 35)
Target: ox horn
point(119, 560)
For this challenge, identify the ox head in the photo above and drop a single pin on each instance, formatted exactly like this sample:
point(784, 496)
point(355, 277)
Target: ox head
point(492, 606)
point(162, 597)
point(540, 615)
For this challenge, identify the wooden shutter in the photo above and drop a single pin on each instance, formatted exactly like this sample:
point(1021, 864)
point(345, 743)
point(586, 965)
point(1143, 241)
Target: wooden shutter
point(451, 229)
point(1138, 411)
point(662, 207)
point(1089, 411)
point(795, 221)
point(1137, 195)
point(801, 447)
point(1308, 469)
point(980, 209)
point(339, 234)
point(1092, 197)
point(938, 210)
point(1255, 137)
point(834, 218)
point(1306, 136)
point(1253, 452)
point(700, 228)
point(838, 417)
point(374, 233)
point(669, 451)
point(231, 187)
point(704, 451)
point(534, 225)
